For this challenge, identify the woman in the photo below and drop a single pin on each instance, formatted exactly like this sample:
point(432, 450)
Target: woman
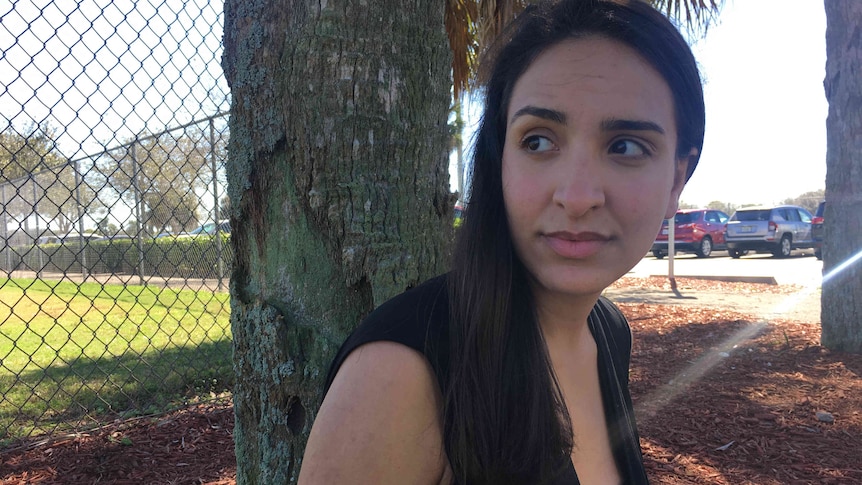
point(511, 368)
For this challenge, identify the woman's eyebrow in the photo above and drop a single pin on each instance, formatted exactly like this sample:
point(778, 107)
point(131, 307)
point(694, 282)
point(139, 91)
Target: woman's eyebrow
point(544, 113)
point(631, 125)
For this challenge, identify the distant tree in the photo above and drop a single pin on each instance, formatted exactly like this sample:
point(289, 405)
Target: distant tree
point(64, 197)
point(727, 207)
point(106, 228)
point(685, 205)
point(809, 200)
point(41, 180)
point(131, 226)
point(22, 153)
point(165, 175)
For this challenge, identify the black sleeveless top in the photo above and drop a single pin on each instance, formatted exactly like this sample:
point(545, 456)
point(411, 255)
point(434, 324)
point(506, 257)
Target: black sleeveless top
point(419, 319)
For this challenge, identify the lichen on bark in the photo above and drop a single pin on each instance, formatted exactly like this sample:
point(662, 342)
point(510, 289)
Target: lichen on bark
point(337, 174)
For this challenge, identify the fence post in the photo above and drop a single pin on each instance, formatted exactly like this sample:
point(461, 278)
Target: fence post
point(85, 246)
point(36, 238)
point(138, 224)
point(6, 245)
point(218, 242)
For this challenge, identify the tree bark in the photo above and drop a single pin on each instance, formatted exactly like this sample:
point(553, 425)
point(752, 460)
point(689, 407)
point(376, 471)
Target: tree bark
point(841, 301)
point(339, 196)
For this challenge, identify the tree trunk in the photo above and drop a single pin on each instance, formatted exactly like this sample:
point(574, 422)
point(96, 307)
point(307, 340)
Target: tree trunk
point(339, 196)
point(841, 301)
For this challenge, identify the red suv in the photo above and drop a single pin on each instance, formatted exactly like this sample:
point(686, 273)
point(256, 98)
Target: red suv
point(698, 231)
point(817, 230)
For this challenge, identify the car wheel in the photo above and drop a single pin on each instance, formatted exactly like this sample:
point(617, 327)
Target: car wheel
point(784, 247)
point(658, 254)
point(734, 253)
point(705, 248)
point(818, 253)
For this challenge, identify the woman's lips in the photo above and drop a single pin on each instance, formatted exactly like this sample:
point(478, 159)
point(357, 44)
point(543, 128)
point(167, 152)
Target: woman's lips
point(575, 245)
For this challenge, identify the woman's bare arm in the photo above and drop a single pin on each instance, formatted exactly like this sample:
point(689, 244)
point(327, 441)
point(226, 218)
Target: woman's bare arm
point(379, 423)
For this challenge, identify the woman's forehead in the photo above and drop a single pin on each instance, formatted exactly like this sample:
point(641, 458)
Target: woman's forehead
point(592, 70)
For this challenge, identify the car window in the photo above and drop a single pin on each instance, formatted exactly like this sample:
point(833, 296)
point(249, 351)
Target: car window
point(804, 215)
point(820, 208)
point(792, 215)
point(722, 217)
point(685, 217)
point(751, 215)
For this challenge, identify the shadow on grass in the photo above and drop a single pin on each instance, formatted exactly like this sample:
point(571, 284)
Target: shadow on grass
point(87, 391)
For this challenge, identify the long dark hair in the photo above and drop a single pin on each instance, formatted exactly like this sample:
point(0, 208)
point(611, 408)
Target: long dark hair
point(504, 417)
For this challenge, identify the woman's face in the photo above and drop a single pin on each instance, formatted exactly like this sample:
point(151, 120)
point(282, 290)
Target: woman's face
point(589, 166)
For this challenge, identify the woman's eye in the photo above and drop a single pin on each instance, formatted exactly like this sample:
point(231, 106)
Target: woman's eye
point(537, 144)
point(628, 148)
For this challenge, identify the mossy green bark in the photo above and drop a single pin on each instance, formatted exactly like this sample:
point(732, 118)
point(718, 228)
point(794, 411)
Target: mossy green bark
point(337, 174)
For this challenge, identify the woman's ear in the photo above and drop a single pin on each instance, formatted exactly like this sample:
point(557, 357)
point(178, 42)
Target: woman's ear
point(679, 174)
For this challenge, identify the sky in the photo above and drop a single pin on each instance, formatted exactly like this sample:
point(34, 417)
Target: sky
point(105, 70)
point(763, 64)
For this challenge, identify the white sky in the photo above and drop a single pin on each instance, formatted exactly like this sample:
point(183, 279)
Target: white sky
point(763, 64)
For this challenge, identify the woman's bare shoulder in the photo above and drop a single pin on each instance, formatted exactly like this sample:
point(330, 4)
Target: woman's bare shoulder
point(379, 422)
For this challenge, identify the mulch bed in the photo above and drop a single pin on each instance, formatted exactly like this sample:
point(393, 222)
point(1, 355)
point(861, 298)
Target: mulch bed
point(720, 400)
point(190, 446)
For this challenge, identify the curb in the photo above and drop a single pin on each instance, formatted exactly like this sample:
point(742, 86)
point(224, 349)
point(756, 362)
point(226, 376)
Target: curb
point(769, 280)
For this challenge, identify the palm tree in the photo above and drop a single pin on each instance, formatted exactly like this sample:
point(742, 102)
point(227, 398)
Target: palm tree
point(339, 195)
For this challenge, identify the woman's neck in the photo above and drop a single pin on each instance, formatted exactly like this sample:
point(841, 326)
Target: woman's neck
point(563, 317)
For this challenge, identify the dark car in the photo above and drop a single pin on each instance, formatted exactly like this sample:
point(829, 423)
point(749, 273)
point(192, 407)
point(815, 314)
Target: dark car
point(698, 231)
point(817, 230)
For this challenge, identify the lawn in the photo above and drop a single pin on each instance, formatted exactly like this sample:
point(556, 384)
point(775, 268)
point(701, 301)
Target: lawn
point(73, 353)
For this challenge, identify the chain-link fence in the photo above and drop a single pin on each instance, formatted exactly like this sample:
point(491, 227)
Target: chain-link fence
point(115, 249)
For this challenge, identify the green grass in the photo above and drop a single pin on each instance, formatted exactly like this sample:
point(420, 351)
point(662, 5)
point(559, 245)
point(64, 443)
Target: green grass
point(71, 353)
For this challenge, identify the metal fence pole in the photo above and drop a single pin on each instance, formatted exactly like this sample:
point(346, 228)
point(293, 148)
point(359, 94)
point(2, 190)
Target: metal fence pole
point(6, 245)
point(36, 235)
point(138, 212)
point(216, 211)
point(85, 271)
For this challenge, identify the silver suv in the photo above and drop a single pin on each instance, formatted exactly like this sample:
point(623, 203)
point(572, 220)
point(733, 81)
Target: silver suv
point(777, 230)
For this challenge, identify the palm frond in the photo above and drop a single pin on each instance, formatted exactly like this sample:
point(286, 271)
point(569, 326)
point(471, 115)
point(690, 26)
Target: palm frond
point(471, 25)
point(461, 21)
point(696, 15)
point(494, 15)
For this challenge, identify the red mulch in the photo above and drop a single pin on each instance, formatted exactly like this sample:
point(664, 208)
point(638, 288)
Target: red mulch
point(720, 400)
point(191, 446)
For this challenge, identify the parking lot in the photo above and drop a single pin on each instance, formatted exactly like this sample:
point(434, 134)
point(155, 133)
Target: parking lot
point(801, 268)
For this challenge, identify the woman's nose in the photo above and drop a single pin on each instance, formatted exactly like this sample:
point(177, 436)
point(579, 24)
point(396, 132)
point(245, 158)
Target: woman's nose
point(580, 188)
